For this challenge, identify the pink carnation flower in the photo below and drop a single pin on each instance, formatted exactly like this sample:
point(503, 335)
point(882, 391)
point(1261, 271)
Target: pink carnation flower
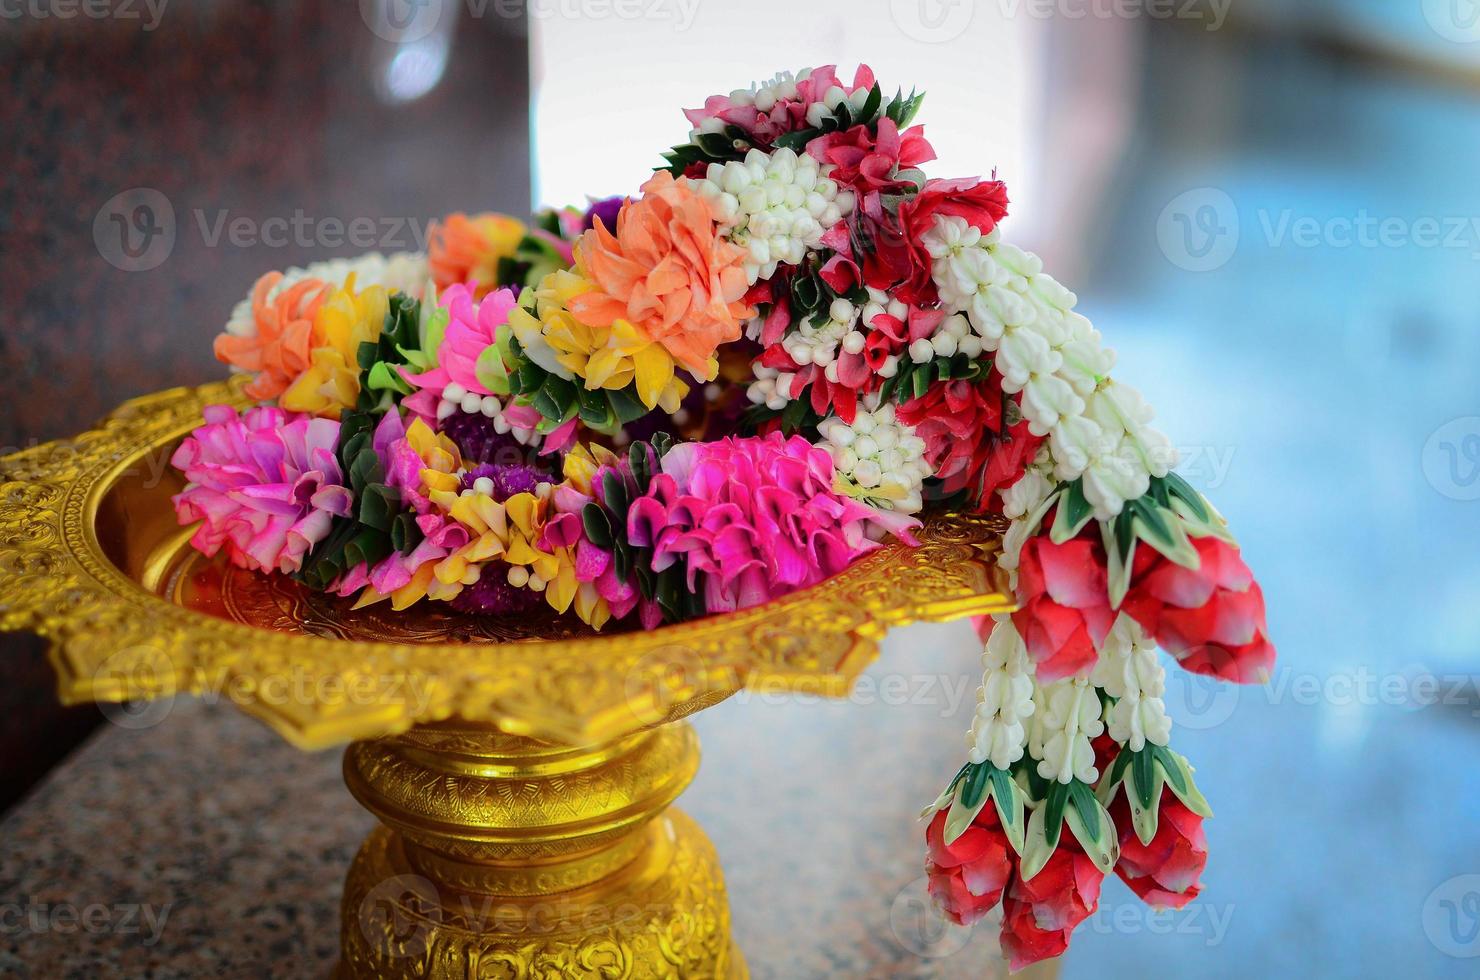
point(758, 518)
point(471, 328)
point(265, 485)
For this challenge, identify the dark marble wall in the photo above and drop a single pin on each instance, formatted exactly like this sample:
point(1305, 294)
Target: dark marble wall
point(274, 118)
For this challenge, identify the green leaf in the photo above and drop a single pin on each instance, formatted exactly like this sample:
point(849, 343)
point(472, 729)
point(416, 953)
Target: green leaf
point(627, 406)
point(1036, 848)
point(1215, 528)
point(920, 381)
point(637, 465)
point(794, 414)
point(1182, 490)
point(595, 409)
point(1179, 780)
point(796, 140)
point(806, 292)
point(491, 371)
point(1161, 529)
point(598, 526)
point(1053, 812)
point(1091, 825)
point(614, 493)
point(1074, 512)
point(384, 376)
point(1008, 797)
point(1083, 802)
point(870, 111)
point(976, 783)
point(1144, 815)
point(964, 807)
point(378, 506)
point(1113, 777)
point(406, 534)
point(946, 795)
point(1118, 566)
point(1144, 777)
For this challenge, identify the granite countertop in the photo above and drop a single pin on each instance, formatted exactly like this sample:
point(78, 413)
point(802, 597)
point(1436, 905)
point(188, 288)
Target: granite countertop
point(193, 842)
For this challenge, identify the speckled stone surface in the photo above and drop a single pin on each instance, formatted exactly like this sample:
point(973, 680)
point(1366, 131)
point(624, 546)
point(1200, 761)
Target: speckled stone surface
point(242, 842)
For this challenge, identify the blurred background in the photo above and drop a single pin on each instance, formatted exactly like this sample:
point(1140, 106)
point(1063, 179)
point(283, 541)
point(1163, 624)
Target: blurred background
point(1268, 206)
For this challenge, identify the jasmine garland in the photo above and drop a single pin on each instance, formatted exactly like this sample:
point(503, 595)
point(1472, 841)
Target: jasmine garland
point(728, 386)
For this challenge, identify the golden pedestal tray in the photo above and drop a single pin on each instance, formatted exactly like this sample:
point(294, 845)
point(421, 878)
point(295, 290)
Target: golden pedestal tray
point(521, 771)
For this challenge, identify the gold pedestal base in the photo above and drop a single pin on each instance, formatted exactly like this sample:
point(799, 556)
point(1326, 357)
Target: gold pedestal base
point(503, 857)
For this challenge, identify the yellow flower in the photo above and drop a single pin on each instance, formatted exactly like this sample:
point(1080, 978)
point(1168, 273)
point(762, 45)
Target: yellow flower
point(345, 321)
point(610, 357)
point(509, 533)
point(441, 461)
point(488, 537)
point(581, 463)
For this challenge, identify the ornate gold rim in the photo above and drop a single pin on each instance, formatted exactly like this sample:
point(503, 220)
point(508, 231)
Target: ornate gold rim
point(114, 640)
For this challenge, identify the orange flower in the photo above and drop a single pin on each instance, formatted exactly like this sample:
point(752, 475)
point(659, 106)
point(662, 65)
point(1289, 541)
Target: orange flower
point(279, 350)
point(467, 249)
point(668, 272)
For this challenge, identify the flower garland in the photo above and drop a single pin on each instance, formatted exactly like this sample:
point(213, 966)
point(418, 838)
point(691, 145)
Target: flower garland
point(729, 386)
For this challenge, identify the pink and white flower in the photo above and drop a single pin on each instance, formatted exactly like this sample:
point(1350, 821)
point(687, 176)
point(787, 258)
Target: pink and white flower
point(265, 484)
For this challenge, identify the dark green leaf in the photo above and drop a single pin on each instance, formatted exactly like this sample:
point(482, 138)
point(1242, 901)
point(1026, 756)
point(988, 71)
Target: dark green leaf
point(598, 526)
point(614, 493)
point(1088, 807)
point(1170, 767)
point(627, 406)
point(1053, 812)
point(976, 785)
point(1142, 772)
point(920, 381)
point(1179, 487)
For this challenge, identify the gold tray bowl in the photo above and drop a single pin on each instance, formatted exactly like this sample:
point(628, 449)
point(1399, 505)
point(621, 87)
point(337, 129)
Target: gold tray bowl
point(521, 770)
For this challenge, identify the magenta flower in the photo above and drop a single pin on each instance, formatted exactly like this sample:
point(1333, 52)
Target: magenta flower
point(265, 485)
point(441, 535)
point(756, 518)
point(471, 328)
